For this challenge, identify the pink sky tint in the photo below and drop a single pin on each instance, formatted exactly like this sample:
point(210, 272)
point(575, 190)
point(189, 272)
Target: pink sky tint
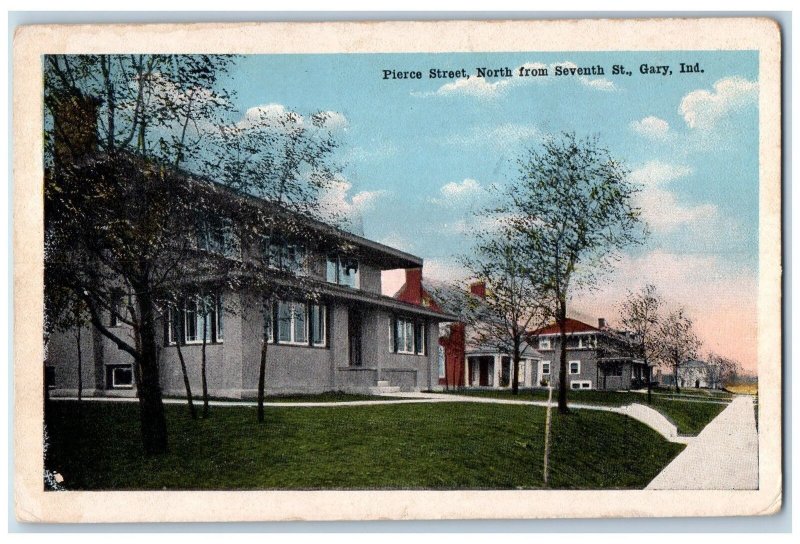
point(721, 302)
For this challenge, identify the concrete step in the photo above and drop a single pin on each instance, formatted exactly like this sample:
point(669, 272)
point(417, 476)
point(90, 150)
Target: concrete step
point(383, 383)
point(382, 389)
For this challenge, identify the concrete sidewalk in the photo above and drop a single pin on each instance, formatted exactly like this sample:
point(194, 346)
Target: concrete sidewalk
point(723, 456)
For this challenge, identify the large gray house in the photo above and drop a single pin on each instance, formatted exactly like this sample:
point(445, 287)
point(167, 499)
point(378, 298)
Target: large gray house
point(348, 337)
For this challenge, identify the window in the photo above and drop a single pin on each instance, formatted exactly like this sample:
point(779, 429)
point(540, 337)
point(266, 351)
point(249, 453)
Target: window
point(318, 325)
point(615, 369)
point(49, 377)
point(419, 338)
point(409, 336)
point(216, 235)
point(296, 323)
point(580, 384)
point(267, 312)
point(119, 377)
point(342, 271)
point(197, 316)
point(285, 255)
point(544, 343)
point(574, 367)
point(545, 368)
point(119, 308)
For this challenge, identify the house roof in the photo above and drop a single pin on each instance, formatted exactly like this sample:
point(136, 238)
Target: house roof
point(571, 325)
point(526, 350)
point(341, 292)
point(382, 256)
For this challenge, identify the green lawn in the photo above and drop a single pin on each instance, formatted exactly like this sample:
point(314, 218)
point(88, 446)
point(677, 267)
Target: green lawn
point(689, 416)
point(414, 446)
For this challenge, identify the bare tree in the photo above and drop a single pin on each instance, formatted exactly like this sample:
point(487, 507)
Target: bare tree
point(640, 315)
point(571, 213)
point(511, 306)
point(722, 370)
point(676, 342)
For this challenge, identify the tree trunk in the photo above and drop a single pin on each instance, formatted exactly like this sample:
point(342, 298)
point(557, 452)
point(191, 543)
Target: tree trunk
point(675, 373)
point(649, 384)
point(515, 372)
point(562, 371)
point(186, 383)
point(80, 364)
point(262, 371)
point(203, 364)
point(151, 408)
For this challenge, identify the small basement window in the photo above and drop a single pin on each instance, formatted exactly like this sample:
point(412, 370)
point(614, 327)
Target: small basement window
point(119, 377)
point(580, 384)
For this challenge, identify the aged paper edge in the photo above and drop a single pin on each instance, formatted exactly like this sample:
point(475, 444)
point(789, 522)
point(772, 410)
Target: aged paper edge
point(34, 505)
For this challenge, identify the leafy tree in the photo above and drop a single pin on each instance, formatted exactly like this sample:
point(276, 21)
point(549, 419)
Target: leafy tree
point(285, 160)
point(640, 315)
point(511, 305)
point(116, 216)
point(676, 341)
point(571, 212)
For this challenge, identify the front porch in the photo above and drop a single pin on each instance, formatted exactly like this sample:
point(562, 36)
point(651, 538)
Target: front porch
point(496, 371)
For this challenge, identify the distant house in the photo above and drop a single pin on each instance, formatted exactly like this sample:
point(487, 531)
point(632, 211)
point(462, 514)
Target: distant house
point(463, 361)
point(597, 357)
point(451, 340)
point(692, 374)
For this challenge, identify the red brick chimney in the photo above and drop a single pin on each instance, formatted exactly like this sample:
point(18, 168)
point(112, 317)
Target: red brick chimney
point(478, 289)
point(413, 289)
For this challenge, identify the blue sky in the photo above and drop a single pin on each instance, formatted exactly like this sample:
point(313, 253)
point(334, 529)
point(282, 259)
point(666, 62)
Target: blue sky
point(419, 155)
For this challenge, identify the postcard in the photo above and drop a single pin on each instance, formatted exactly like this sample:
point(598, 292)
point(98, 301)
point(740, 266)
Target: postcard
point(397, 270)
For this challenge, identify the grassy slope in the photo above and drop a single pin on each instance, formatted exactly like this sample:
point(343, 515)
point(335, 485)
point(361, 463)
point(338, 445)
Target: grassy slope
point(442, 446)
point(689, 416)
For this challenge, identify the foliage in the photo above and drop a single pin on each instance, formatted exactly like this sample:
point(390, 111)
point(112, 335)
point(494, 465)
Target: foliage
point(511, 305)
point(571, 213)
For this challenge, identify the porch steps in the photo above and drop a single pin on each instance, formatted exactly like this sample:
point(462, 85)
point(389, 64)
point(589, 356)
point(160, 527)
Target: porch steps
point(383, 387)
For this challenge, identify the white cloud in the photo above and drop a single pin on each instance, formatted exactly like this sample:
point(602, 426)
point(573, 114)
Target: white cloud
point(651, 127)
point(277, 116)
point(473, 86)
point(702, 109)
point(457, 194)
point(657, 173)
point(664, 213)
point(468, 187)
point(448, 270)
point(337, 201)
point(661, 208)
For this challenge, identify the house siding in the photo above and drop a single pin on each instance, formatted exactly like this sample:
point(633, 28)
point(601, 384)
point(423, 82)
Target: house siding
point(232, 366)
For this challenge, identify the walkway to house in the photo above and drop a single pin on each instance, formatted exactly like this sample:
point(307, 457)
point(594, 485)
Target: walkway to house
point(723, 456)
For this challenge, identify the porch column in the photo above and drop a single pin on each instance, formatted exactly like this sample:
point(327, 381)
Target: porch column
point(467, 375)
point(496, 373)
